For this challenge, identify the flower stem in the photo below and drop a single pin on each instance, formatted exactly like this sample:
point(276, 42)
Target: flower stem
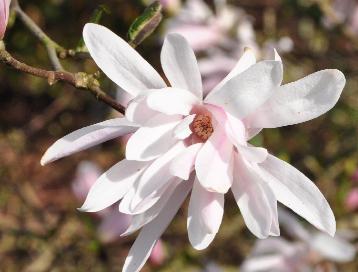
point(79, 80)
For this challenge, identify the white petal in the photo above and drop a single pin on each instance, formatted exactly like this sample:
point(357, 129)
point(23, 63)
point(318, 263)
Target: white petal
point(334, 249)
point(139, 220)
point(149, 142)
point(155, 177)
point(182, 130)
point(235, 130)
point(254, 198)
point(183, 164)
point(252, 153)
point(244, 93)
point(292, 226)
point(180, 65)
point(142, 247)
point(297, 192)
point(87, 137)
point(112, 185)
point(204, 216)
point(138, 111)
point(119, 61)
point(300, 101)
point(172, 101)
point(213, 163)
point(247, 60)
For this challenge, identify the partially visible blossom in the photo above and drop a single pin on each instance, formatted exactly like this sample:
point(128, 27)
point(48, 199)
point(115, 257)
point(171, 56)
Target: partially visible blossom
point(309, 250)
point(185, 141)
point(196, 19)
point(4, 16)
point(158, 255)
point(351, 201)
point(113, 223)
point(343, 12)
point(355, 176)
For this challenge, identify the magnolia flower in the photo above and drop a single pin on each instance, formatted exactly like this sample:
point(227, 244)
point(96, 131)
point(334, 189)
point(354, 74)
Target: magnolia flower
point(4, 16)
point(183, 141)
point(196, 19)
point(308, 251)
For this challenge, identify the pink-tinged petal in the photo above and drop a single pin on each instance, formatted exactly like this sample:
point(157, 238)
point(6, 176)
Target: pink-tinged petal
point(147, 238)
point(292, 226)
point(138, 111)
point(183, 130)
point(351, 201)
point(4, 16)
point(158, 256)
point(235, 130)
point(139, 220)
point(113, 185)
point(183, 164)
point(209, 35)
point(180, 65)
point(112, 226)
point(149, 142)
point(333, 248)
point(86, 175)
point(246, 61)
point(255, 199)
point(252, 132)
point(297, 192)
point(204, 216)
point(172, 101)
point(87, 137)
point(213, 163)
point(300, 101)
point(155, 177)
point(252, 153)
point(244, 93)
point(119, 61)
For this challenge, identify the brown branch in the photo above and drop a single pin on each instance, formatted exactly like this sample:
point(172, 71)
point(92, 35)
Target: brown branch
point(79, 80)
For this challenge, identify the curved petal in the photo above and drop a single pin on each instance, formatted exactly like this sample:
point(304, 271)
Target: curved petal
point(112, 185)
point(252, 153)
point(119, 61)
point(213, 163)
point(183, 164)
point(244, 93)
point(334, 249)
point(254, 198)
point(204, 216)
point(172, 101)
point(138, 111)
point(87, 137)
point(300, 101)
point(4, 16)
point(246, 61)
point(183, 130)
point(139, 220)
point(297, 192)
point(147, 238)
point(155, 177)
point(180, 65)
point(149, 142)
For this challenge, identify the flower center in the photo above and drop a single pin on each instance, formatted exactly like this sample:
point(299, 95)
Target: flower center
point(202, 126)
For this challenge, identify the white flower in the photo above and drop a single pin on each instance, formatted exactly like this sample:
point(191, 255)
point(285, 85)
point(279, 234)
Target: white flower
point(185, 142)
point(308, 250)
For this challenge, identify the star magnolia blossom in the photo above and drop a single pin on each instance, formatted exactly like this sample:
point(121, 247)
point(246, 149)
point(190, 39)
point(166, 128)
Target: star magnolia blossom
point(185, 142)
point(4, 16)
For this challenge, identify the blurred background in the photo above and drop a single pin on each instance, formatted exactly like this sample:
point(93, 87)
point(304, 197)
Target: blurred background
point(40, 228)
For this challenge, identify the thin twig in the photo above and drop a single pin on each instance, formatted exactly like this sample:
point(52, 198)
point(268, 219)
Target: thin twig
point(51, 46)
point(79, 80)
